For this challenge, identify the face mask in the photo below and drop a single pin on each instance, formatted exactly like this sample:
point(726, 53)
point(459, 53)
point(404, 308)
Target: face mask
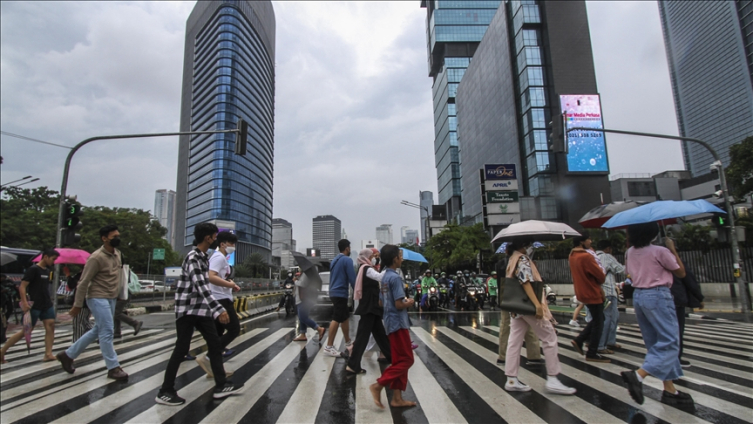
point(230, 249)
point(374, 261)
point(529, 251)
point(115, 242)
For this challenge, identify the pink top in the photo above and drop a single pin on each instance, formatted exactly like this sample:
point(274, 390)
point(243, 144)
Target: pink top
point(651, 266)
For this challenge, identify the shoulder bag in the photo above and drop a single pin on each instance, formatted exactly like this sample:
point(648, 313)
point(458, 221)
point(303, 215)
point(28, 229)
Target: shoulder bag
point(515, 299)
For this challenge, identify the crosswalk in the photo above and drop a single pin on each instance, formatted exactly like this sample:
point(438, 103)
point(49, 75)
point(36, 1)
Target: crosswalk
point(455, 379)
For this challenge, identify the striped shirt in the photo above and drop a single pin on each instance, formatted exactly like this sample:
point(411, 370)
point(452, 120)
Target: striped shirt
point(194, 292)
point(612, 267)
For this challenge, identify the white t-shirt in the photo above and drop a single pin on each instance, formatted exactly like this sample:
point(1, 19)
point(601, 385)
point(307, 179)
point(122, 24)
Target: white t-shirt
point(218, 263)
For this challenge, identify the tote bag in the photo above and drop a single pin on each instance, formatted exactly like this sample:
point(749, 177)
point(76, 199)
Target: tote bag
point(515, 299)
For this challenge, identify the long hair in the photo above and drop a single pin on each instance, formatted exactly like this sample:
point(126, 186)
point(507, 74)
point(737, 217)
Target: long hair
point(641, 235)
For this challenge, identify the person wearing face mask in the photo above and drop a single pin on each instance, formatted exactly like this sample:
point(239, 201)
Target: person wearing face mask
point(222, 290)
point(99, 286)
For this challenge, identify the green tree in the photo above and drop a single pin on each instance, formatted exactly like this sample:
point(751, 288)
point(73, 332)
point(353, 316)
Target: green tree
point(29, 217)
point(739, 173)
point(694, 237)
point(254, 266)
point(457, 246)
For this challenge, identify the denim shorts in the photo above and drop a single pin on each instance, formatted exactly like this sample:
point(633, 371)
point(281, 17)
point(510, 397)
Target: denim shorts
point(37, 314)
point(655, 310)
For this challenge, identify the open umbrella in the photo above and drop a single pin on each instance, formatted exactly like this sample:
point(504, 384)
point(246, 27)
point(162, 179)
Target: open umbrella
point(503, 246)
point(68, 256)
point(597, 216)
point(7, 257)
point(536, 230)
point(310, 274)
point(661, 210)
point(409, 255)
point(27, 327)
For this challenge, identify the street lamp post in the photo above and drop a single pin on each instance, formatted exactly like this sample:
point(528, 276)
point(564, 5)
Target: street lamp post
point(413, 205)
point(737, 268)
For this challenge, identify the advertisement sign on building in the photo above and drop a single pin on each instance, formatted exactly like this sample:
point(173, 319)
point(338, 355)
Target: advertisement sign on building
point(495, 185)
point(506, 219)
point(587, 150)
point(500, 172)
point(501, 196)
point(497, 208)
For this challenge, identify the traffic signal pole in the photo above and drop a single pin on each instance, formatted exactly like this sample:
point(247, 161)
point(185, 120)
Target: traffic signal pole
point(66, 170)
point(737, 267)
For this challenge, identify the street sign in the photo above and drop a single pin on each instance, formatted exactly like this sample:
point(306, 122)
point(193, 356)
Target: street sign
point(494, 185)
point(158, 255)
point(501, 196)
point(506, 219)
point(498, 208)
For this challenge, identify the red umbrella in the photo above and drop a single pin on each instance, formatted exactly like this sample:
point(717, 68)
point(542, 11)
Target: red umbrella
point(68, 256)
point(27, 328)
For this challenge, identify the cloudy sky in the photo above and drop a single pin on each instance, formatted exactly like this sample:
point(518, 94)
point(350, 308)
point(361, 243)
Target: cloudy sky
point(354, 133)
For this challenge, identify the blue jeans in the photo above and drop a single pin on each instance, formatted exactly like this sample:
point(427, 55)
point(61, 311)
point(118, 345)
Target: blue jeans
point(655, 310)
point(609, 333)
point(303, 316)
point(103, 311)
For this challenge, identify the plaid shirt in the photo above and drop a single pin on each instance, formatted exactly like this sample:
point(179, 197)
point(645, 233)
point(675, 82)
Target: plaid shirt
point(194, 295)
point(611, 267)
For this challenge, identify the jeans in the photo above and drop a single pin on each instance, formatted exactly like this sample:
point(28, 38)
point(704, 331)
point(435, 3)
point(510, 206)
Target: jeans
point(611, 315)
point(232, 329)
point(103, 311)
point(593, 329)
point(655, 310)
point(184, 326)
point(303, 316)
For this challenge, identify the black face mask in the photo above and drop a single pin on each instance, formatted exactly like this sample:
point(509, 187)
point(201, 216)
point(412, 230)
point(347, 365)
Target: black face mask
point(115, 242)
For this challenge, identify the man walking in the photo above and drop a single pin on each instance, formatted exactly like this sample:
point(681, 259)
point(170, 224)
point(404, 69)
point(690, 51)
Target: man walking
point(36, 282)
point(196, 308)
point(588, 277)
point(342, 275)
point(99, 284)
point(222, 290)
point(608, 343)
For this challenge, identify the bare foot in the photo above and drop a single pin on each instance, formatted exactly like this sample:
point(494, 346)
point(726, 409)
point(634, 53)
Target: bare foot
point(402, 403)
point(376, 391)
point(49, 358)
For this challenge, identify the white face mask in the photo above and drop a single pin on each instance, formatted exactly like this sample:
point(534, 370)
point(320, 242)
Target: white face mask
point(230, 249)
point(529, 251)
point(373, 261)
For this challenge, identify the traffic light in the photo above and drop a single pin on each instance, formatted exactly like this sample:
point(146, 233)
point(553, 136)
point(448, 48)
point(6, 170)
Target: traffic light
point(240, 137)
point(71, 223)
point(557, 134)
point(720, 220)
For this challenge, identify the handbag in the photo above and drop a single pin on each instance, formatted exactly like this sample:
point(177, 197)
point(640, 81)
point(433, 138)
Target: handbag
point(515, 299)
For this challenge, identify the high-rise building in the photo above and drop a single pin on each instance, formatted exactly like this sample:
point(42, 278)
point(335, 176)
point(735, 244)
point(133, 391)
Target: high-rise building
point(228, 74)
point(164, 212)
point(709, 47)
point(411, 237)
point(453, 32)
point(282, 242)
point(426, 201)
point(384, 233)
point(533, 52)
point(327, 231)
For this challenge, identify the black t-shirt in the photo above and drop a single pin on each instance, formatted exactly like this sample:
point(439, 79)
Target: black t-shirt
point(39, 287)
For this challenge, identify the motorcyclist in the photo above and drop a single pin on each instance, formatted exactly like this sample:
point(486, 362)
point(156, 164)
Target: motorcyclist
point(491, 288)
point(426, 282)
point(288, 280)
point(479, 283)
point(444, 290)
point(460, 290)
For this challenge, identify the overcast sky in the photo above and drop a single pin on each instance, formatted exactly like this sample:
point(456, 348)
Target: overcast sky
point(354, 132)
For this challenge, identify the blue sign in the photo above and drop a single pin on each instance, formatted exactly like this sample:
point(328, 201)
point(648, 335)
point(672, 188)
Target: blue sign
point(500, 172)
point(587, 150)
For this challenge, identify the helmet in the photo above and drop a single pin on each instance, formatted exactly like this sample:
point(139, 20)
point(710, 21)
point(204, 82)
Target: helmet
point(473, 273)
point(428, 271)
point(459, 272)
point(493, 273)
point(443, 273)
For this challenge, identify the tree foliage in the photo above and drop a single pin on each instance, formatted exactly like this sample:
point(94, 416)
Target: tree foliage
point(29, 220)
point(457, 247)
point(254, 266)
point(739, 173)
point(694, 237)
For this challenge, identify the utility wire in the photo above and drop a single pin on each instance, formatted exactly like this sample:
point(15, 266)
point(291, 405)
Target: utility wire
point(33, 139)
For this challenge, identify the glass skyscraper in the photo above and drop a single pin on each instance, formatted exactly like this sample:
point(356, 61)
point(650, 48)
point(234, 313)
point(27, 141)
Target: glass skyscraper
point(326, 231)
point(453, 32)
point(709, 48)
point(228, 74)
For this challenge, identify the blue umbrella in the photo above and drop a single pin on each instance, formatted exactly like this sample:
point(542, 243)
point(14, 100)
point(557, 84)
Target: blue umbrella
point(659, 211)
point(409, 255)
point(503, 246)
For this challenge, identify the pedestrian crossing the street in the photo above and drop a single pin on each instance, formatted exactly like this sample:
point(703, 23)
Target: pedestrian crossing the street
point(455, 379)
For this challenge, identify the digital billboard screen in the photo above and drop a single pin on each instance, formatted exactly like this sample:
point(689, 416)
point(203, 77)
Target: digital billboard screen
point(587, 150)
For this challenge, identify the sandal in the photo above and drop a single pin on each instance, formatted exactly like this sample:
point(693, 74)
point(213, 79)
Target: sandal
point(361, 371)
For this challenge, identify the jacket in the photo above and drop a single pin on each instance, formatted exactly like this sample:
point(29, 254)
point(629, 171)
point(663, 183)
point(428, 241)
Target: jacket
point(342, 275)
point(686, 291)
point(587, 277)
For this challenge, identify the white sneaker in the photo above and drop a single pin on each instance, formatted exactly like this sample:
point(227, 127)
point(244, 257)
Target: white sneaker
point(556, 386)
point(331, 351)
point(206, 365)
point(516, 386)
point(574, 323)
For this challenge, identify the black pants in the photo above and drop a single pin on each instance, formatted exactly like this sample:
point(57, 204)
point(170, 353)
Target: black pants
point(184, 326)
point(680, 310)
point(232, 328)
point(369, 324)
point(120, 315)
point(593, 330)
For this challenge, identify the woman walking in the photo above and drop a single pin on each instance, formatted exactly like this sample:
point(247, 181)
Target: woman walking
point(304, 301)
point(651, 268)
point(370, 310)
point(524, 270)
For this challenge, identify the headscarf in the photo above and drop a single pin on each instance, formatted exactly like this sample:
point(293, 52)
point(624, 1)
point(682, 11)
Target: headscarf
point(364, 261)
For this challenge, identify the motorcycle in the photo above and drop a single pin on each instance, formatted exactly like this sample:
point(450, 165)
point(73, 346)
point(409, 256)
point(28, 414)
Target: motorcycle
point(417, 298)
point(551, 296)
point(470, 298)
point(433, 298)
point(444, 296)
point(480, 295)
point(289, 299)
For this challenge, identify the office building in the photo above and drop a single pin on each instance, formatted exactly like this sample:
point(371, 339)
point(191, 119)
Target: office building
point(709, 46)
point(164, 212)
point(426, 201)
point(371, 244)
point(327, 231)
point(283, 243)
point(453, 32)
point(228, 74)
point(384, 233)
point(411, 237)
point(532, 53)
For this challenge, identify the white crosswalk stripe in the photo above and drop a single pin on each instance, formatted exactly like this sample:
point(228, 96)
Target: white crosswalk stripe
point(720, 380)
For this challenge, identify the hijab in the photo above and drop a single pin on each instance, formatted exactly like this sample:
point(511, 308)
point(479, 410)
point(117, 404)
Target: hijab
point(363, 261)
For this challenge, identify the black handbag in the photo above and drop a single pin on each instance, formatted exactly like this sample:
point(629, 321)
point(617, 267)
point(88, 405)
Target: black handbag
point(515, 299)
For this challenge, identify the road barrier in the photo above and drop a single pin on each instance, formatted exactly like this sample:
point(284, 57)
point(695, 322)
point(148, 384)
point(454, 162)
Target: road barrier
point(246, 306)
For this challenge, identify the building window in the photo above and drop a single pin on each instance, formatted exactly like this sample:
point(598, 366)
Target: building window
point(641, 189)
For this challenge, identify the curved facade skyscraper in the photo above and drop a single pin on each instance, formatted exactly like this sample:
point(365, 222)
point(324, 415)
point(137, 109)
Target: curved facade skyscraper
point(228, 73)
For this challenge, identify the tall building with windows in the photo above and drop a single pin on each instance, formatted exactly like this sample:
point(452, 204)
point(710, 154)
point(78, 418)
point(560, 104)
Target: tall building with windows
point(709, 47)
point(164, 212)
point(228, 73)
point(327, 231)
point(384, 233)
point(453, 31)
point(283, 243)
point(426, 201)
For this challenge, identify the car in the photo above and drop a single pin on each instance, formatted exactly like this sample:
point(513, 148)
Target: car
point(322, 297)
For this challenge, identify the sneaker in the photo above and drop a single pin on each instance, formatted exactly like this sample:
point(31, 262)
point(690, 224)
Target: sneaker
point(331, 351)
point(574, 323)
point(635, 387)
point(227, 390)
point(556, 386)
point(598, 358)
point(516, 386)
point(117, 374)
point(228, 353)
point(684, 363)
point(169, 398)
point(189, 357)
point(680, 399)
point(137, 328)
point(535, 362)
point(501, 362)
point(66, 362)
